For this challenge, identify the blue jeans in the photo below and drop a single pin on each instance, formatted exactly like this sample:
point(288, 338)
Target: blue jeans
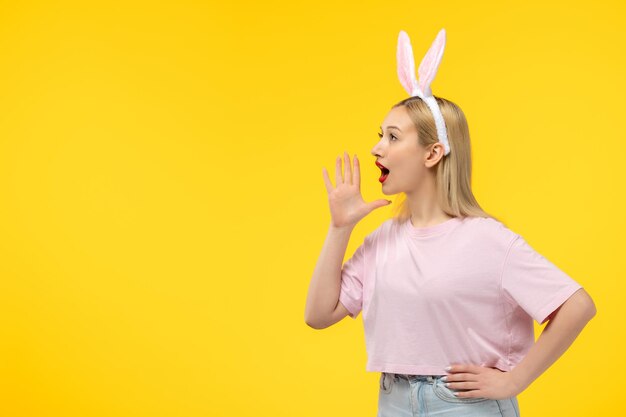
point(426, 395)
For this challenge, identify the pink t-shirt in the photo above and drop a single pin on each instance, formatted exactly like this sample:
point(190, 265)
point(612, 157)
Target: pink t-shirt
point(462, 291)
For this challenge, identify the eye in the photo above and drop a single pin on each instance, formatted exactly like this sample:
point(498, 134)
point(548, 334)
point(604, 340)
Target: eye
point(380, 135)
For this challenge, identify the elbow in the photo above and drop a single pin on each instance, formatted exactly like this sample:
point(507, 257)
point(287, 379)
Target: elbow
point(310, 323)
point(590, 306)
point(591, 309)
point(587, 305)
point(314, 325)
point(579, 305)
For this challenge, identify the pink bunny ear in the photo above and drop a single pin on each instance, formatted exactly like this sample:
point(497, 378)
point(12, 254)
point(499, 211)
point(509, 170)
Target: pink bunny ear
point(406, 63)
point(430, 63)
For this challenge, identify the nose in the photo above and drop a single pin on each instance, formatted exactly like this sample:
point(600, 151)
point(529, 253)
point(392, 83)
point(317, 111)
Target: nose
point(376, 151)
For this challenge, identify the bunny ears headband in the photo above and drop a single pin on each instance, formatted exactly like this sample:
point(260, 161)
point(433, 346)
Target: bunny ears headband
point(427, 71)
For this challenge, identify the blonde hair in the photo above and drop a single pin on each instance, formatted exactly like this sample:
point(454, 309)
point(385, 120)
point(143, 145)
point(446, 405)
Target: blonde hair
point(453, 171)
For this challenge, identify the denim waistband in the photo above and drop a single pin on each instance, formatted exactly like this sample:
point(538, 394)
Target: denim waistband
point(428, 378)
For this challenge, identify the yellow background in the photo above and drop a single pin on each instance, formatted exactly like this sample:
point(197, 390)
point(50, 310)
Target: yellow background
point(162, 204)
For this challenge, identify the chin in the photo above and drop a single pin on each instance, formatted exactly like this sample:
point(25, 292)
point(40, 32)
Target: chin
point(388, 191)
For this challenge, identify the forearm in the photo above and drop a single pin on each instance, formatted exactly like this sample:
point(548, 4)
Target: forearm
point(557, 336)
point(325, 284)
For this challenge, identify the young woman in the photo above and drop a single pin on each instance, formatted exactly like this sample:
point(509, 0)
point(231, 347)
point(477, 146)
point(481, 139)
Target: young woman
point(448, 292)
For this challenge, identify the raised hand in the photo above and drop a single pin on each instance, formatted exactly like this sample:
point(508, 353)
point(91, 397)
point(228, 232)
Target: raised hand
point(347, 207)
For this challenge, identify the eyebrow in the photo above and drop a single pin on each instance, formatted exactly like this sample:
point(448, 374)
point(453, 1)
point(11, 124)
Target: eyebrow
point(391, 127)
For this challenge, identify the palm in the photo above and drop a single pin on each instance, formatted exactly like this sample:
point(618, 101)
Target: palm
point(347, 206)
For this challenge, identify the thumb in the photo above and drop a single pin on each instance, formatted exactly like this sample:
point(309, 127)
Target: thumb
point(379, 203)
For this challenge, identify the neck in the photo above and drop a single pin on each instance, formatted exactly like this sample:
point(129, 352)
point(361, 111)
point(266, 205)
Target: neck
point(424, 207)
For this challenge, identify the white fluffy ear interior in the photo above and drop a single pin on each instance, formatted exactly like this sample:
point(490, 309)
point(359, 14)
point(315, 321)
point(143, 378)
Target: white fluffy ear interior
point(430, 63)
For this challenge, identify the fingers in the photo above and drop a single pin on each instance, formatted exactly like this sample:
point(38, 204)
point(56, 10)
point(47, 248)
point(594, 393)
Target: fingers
point(347, 172)
point(357, 173)
point(338, 179)
point(347, 169)
point(464, 385)
point(329, 185)
point(462, 377)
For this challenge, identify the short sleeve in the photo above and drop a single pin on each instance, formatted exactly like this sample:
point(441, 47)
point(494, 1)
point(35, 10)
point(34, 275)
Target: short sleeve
point(352, 277)
point(533, 282)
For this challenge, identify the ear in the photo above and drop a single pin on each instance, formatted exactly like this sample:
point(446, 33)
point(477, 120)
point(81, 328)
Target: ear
point(406, 63)
point(430, 63)
point(435, 154)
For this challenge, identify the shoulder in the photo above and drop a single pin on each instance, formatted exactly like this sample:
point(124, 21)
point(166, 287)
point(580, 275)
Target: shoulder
point(488, 229)
point(385, 230)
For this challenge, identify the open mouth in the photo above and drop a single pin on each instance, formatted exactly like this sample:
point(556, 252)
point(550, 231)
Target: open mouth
point(383, 175)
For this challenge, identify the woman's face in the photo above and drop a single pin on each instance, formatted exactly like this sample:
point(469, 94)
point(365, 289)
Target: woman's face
point(399, 151)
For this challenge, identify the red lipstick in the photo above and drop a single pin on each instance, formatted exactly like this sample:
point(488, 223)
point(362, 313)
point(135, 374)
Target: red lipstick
point(384, 172)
